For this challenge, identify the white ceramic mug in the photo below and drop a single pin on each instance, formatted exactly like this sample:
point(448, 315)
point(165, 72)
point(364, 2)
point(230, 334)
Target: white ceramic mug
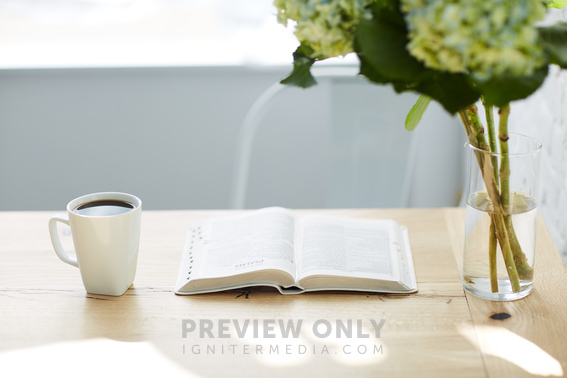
point(106, 246)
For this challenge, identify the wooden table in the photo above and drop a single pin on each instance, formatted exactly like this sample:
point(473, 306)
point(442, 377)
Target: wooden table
point(49, 323)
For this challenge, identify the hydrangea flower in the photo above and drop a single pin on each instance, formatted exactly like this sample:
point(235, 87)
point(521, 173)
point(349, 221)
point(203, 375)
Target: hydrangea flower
point(484, 38)
point(327, 26)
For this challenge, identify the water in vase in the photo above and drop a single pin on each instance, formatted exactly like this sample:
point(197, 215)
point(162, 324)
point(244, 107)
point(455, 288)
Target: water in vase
point(476, 271)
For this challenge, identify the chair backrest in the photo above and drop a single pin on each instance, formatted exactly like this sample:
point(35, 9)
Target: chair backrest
point(369, 156)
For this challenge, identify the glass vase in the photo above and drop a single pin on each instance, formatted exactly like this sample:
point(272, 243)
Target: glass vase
point(501, 220)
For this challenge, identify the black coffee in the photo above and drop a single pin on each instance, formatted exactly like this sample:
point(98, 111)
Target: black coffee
point(103, 208)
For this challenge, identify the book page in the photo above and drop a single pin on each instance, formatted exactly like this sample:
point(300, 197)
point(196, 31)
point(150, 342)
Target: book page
point(258, 240)
point(346, 247)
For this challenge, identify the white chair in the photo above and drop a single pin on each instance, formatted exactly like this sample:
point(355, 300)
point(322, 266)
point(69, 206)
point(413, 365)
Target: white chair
point(370, 156)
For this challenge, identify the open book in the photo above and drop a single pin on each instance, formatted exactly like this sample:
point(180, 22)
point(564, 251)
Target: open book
point(270, 247)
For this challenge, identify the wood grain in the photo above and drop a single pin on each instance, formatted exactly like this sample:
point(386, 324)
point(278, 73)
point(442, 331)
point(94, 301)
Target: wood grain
point(43, 302)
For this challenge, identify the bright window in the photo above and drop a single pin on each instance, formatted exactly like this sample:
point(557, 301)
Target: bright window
point(100, 33)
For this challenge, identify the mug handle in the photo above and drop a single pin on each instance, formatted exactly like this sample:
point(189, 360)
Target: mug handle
point(57, 243)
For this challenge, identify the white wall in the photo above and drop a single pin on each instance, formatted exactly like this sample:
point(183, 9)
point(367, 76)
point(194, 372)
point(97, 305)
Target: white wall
point(168, 135)
point(165, 134)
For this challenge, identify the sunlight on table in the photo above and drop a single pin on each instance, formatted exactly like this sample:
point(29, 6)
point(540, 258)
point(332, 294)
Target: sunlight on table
point(92, 358)
point(279, 351)
point(282, 351)
point(356, 351)
point(505, 344)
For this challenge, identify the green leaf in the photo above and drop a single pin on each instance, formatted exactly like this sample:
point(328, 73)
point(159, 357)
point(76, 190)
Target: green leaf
point(452, 91)
point(416, 112)
point(389, 10)
point(502, 90)
point(554, 41)
point(301, 74)
point(382, 42)
point(371, 74)
point(374, 76)
point(557, 4)
point(401, 87)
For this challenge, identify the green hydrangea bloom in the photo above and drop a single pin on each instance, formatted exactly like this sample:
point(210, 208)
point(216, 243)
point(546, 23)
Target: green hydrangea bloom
point(483, 38)
point(327, 26)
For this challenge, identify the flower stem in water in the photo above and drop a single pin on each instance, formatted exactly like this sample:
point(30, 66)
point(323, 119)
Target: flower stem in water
point(492, 243)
